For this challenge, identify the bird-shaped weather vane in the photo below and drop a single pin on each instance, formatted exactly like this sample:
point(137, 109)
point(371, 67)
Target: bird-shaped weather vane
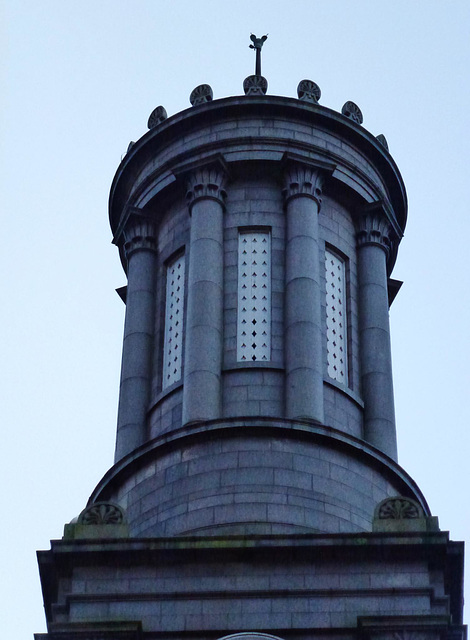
point(257, 44)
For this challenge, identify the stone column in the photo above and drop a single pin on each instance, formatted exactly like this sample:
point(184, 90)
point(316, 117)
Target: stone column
point(373, 244)
point(204, 316)
point(136, 369)
point(303, 341)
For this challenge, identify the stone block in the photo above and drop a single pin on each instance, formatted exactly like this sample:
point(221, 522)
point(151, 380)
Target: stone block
point(211, 501)
point(288, 478)
point(198, 482)
point(262, 458)
point(321, 620)
point(286, 514)
point(311, 464)
point(189, 522)
point(210, 463)
point(286, 582)
point(257, 496)
point(242, 477)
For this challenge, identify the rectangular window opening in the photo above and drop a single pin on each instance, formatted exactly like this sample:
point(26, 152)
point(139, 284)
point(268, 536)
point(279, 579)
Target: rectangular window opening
point(254, 297)
point(336, 317)
point(174, 312)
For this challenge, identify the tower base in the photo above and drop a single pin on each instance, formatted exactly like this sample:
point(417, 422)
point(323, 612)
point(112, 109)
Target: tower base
point(377, 586)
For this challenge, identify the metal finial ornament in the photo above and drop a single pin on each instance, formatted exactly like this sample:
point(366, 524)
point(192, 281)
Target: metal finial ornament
point(257, 45)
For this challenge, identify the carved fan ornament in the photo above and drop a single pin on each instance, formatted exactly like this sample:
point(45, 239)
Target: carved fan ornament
point(157, 116)
point(352, 111)
point(201, 94)
point(383, 140)
point(308, 91)
point(255, 86)
point(399, 509)
point(102, 513)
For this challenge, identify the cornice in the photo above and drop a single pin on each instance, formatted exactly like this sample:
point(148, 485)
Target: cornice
point(239, 108)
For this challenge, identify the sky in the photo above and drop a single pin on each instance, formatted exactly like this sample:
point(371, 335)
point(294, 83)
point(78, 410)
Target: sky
point(78, 82)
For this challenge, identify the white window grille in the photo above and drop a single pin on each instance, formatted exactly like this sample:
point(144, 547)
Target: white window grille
point(174, 312)
point(336, 317)
point(254, 297)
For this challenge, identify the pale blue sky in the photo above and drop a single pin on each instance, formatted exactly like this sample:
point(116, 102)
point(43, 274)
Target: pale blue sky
point(79, 82)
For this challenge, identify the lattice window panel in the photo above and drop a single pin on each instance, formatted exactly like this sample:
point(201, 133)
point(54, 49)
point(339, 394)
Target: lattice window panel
point(254, 297)
point(174, 312)
point(336, 318)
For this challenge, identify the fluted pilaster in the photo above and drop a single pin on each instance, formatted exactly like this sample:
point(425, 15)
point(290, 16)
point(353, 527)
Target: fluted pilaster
point(373, 246)
point(303, 343)
point(204, 323)
point(139, 237)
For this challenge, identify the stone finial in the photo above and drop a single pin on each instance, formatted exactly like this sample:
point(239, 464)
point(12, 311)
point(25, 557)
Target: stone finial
point(102, 513)
point(352, 111)
point(302, 180)
point(206, 182)
point(308, 91)
point(201, 94)
point(139, 233)
point(255, 86)
point(374, 228)
point(383, 140)
point(157, 116)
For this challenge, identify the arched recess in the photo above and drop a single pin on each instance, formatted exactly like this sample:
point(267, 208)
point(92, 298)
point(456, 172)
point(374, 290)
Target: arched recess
point(250, 635)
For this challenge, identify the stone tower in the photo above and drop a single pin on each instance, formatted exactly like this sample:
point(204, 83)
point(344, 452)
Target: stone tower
point(256, 490)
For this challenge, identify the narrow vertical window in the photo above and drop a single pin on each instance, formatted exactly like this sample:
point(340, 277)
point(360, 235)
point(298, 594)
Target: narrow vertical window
point(254, 297)
point(174, 311)
point(336, 318)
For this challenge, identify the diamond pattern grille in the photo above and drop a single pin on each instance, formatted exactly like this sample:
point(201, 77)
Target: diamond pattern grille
point(336, 321)
point(174, 311)
point(254, 297)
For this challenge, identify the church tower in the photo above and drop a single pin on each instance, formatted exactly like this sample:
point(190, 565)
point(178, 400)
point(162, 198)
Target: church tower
point(256, 490)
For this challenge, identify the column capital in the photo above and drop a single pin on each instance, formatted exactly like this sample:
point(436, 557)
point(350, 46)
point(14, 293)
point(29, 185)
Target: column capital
point(139, 233)
point(206, 183)
point(373, 228)
point(302, 180)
